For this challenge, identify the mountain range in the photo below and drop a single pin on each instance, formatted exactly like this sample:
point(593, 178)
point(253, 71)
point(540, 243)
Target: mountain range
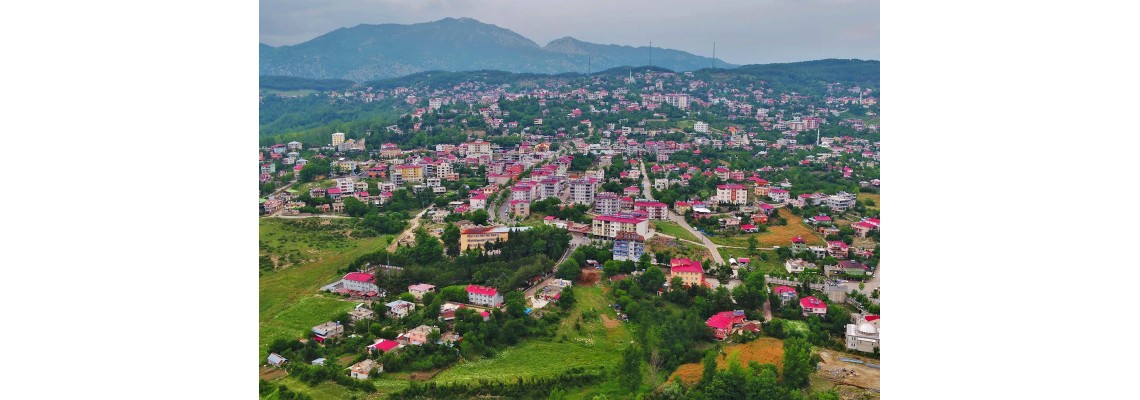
point(371, 52)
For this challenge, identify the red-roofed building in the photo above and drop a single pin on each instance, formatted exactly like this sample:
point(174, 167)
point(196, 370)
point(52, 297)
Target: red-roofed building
point(779, 195)
point(384, 345)
point(784, 293)
point(837, 249)
point(731, 194)
point(520, 208)
point(654, 209)
point(483, 295)
point(609, 225)
point(813, 306)
point(691, 272)
point(722, 322)
point(862, 228)
point(479, 201)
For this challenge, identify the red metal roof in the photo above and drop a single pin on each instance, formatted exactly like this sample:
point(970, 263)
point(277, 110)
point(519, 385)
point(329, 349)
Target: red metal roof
point(784, 289)
point(812, 302)
point(484, 290)
point(360, 277)
point(385, 345)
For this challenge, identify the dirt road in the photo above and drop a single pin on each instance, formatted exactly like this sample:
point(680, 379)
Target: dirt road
point(407, 232)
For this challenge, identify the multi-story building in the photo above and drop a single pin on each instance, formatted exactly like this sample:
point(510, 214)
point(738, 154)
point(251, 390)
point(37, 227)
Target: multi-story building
point(484, 296)
point(337, 139)
point(294, 146)
point(628, 246)
point(701, 127)
point(607, 203)
point(550, 187)
point(410, 173)
point(691, 272)
point(608, 226)
point(582, 191)
point(520, 208)
point(478, 148)
point(731, 194)
point(477, 237)
point(779, 195)
point(679, 100)
point(841, 201)
point(655, 209)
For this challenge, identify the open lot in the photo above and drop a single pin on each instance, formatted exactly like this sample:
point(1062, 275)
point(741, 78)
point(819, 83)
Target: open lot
point(864, 196)
point(846, 373)
point(776, 235)
point(673, 229)
point(597, 344)
point(765, 350)
point(769, 266)
point(287, 297)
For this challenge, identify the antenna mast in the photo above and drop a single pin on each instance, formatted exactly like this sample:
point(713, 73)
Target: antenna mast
point(712, 64)
point(651, 55)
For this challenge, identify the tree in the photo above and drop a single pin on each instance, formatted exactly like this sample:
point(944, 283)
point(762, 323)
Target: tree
point(630, 375)
point(709, 363)
point(450, 239)
point(611, 268)
point(566, 299)
point(751, 245)
point(569, 270)
point(516, 304)
point(651, 280)
point(355, 208)
point(797, 362)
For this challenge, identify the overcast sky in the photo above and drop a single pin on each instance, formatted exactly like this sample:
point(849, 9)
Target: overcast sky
point(745, 31)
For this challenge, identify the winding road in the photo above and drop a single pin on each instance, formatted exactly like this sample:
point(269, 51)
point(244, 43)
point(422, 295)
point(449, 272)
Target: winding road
point(712, 247)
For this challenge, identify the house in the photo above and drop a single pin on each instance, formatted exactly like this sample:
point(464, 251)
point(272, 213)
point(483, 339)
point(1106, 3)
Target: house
point(691, 272)
point(722, 322)
point(863, 335)
point(862, 228)
point(360, 283)
point(819, 219)
point(837, 249)
point(799, 245)
point(483, 295)
point(841, 201)
point(275, 359)
point(361, 369)
point(797, 265)
point(784, 293)
point(419, 335)
point(813, 306)
point(852, 267)
point(400, 308)
point(384, 345)
point(749, 228)
point(327, 331)
point(361, 313)
point(319, 361)
point(418, 290)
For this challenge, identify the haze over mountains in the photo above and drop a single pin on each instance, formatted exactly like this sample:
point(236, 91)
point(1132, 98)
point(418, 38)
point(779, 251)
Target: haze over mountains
point(370, 52)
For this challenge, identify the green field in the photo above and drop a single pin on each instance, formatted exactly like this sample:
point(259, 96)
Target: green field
point(773, 263)
point(594, 345)
point(673, 229)
point(288, 297)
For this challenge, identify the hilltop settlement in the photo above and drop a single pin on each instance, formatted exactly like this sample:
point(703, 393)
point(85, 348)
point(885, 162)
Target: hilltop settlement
point(434, 225)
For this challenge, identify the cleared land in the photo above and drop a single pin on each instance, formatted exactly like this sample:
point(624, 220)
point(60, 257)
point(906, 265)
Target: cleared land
point(673, 229)
point(776, 235)
point(288, 297)
point(769, 266)
point(864, 196)
point(678, 248)
point(765, 350)
point(595, 345)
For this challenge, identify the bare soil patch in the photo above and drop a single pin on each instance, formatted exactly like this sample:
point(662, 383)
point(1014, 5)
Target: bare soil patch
point(269, 373)
point(842, 372)
point(589, 277)
point(609, 323)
